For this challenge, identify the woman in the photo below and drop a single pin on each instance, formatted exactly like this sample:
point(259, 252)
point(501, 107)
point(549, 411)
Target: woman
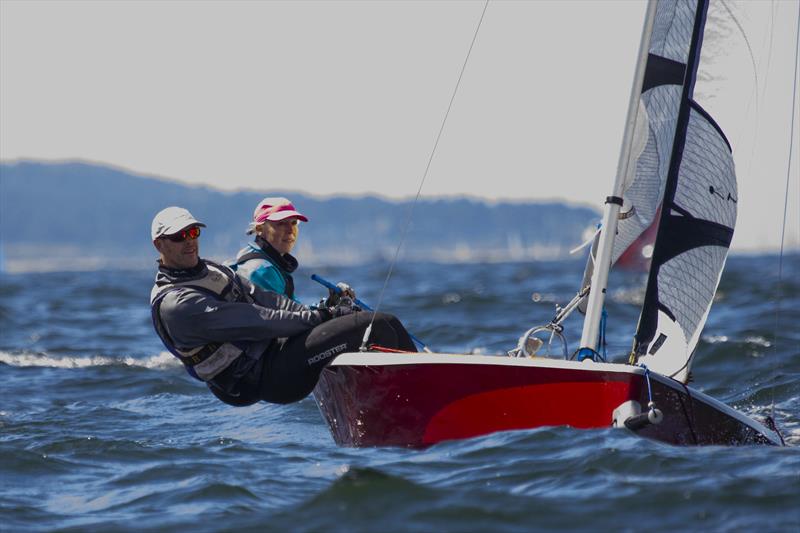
point(266, 262)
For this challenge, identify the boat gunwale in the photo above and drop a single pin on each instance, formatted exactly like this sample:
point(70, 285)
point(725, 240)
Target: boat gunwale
point(423, 358)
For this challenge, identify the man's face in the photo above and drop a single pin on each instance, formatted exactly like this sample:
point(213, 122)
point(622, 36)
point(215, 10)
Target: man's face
point(281, 234)
point(180, 251)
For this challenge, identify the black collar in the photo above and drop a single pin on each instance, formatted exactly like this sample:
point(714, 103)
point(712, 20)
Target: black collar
point(285, 262)
point(197, 271)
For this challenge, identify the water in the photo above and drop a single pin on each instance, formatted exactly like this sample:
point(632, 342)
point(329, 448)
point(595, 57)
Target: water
point(100, 429)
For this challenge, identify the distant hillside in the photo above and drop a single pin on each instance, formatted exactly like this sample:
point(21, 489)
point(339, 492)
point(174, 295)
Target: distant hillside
point(85, 214)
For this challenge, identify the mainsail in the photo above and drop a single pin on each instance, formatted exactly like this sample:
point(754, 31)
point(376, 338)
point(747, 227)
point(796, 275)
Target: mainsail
point(686, 150)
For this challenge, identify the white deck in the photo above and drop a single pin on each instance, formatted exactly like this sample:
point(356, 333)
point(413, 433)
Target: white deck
point(422, 358)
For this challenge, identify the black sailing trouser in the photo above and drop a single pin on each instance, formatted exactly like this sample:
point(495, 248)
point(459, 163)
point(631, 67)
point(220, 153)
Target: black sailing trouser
point(289, 372)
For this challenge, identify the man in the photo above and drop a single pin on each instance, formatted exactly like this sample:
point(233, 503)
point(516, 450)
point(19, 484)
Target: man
point(246, 343)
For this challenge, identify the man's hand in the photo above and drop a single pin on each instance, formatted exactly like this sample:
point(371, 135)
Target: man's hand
point(345, 306)
point(345, 291)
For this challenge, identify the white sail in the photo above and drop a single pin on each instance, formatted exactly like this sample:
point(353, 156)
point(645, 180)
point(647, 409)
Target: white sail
point(656, 124)
point(698, 202)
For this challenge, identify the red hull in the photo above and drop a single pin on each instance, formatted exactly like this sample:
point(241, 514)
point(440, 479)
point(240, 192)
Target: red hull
point(418, 400)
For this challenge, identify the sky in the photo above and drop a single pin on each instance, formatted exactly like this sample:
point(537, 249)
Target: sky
point(348, 97)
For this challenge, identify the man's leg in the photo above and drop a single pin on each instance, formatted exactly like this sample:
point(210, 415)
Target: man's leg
point(291, 372)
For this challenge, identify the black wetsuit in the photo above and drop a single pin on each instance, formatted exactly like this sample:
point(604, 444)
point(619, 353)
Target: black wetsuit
point(284, 345)
point(289, 371)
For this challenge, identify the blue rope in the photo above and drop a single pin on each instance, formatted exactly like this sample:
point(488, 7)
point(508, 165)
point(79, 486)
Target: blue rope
point(647, 379)
point(588, 353)
point(602, 339)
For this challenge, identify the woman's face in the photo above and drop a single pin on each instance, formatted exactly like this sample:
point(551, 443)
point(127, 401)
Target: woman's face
point(281, 234)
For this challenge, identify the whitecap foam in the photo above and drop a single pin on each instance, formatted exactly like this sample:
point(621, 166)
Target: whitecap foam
point(160, 360)
point(629, 295)
point(759, 341)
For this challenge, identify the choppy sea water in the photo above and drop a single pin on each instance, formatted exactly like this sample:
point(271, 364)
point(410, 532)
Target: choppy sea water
point(101, 429)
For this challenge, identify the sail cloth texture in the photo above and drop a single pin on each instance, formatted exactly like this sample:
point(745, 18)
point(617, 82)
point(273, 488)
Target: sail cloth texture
point(699, 200)
point(680, 177)
point(655, 126)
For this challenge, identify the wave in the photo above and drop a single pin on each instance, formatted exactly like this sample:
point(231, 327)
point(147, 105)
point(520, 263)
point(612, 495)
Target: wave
point(754, 340)
point(160, 360)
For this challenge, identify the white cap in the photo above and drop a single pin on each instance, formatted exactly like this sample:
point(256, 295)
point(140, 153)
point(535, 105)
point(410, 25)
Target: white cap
point(171, 220)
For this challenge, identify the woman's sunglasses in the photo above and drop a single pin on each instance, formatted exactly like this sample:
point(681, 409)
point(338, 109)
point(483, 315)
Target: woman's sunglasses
point(189, 233)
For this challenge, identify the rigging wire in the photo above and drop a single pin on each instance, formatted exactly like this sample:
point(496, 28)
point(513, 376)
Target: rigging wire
point(793, 118)
point(772, 11)
point(757, 93)
point(422, 181)
point(749, 48)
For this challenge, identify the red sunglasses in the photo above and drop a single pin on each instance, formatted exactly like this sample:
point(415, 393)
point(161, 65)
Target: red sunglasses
point(189, 233)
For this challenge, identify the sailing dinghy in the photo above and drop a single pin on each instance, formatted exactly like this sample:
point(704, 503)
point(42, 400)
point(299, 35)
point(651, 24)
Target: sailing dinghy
point(676, 164)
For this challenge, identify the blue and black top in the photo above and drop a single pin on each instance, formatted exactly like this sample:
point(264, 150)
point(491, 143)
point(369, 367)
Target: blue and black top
point(265, 267)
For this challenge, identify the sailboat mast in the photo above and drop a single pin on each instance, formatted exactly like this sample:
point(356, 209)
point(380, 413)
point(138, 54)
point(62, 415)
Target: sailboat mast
point(602, 264)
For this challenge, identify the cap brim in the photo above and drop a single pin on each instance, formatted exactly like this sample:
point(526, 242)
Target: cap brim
point(176, 231)
point(283, 215)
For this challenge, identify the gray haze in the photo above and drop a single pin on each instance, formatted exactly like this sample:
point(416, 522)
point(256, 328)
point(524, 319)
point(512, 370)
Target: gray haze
point(347, 97)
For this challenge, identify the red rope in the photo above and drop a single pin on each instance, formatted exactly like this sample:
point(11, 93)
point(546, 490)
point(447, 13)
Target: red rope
point(378, 348)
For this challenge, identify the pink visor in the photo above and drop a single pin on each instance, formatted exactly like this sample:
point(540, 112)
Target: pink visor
point(275, 209)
